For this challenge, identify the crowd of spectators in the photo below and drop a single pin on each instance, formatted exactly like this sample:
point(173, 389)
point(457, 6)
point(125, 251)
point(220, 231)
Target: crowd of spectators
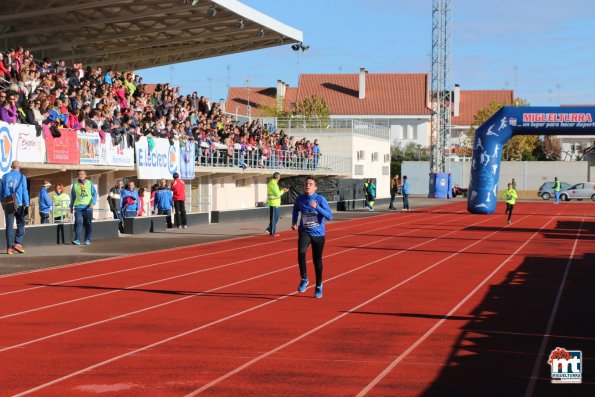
point(119, 107)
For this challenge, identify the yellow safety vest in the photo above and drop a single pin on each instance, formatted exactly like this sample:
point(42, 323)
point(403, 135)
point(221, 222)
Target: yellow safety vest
point(274, 194)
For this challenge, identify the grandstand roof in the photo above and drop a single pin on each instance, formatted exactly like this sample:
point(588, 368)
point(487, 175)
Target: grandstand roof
point(134, 34)
point(472, 101)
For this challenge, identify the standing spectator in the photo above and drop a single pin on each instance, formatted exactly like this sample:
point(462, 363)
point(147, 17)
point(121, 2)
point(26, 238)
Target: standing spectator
point(164, 202)
point(130, 201)
point(314, 210)
point(83, 198)
point(513, 183)
point(557, 187)
point(511, 195)
point(114, 199)
point(60, 202)
point(274, 194)
point(371, 194)
point(45, 204)
point(178, 188)
point(316, 154)
point(405, 191)
point(141, 201)
point(394, 187)
point(15, 183)
point(366, 184)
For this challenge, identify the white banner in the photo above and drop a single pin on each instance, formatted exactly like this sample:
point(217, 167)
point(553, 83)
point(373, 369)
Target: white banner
point(119, 154)
point(160, 160)
point(90, 147)
point(8, 146)
point(30, 147)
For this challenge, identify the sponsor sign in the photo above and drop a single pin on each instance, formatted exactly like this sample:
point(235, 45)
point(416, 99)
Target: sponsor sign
point(63, 150)
point(187, 161)
point(8, 147)
point(90, 148)
point(159, 161)
point(30, 147)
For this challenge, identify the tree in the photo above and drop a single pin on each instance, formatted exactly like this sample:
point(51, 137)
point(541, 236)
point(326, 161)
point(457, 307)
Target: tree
point(313, 106)
point(411, 152)
point(548, 148)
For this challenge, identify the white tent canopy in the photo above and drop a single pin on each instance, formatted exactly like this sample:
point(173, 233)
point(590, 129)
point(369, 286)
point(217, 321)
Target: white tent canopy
point(135, 34)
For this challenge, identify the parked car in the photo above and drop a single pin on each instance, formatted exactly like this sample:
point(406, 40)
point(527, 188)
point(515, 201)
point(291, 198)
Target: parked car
point(579, 191)
point(547, 189)
point(459, 191)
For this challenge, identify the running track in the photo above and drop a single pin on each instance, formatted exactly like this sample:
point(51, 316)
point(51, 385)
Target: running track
point(429, 303)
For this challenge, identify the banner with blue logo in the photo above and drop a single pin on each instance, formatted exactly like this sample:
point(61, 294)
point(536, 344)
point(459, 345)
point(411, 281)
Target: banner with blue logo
point(8, 147)
point(157, 159)
point(187, 161)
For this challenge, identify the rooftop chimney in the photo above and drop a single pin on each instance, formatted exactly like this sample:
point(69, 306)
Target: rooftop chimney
point(456, 100)
point(280, 94)
point(362, 83)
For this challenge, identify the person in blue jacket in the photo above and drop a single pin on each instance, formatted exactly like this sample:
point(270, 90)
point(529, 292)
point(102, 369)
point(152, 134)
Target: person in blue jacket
point(15, 182)
point(314, 209)
point(164, 201)
point(405, 191)
point(45, 203)
point(129, 201)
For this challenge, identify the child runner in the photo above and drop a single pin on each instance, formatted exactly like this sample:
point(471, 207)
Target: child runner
point(314, 210)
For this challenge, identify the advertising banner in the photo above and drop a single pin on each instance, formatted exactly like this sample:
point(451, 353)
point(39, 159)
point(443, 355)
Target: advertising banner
point(90, 148)
point(187, 161)
point(158, 159)
point(120, 154)
point(63, 150)
point(8, 146)
point(30, 147)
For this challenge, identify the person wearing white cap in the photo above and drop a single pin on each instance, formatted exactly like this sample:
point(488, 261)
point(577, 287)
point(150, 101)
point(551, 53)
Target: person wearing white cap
point(45, 203)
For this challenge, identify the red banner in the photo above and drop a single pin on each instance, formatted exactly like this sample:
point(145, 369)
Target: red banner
point(63, 150)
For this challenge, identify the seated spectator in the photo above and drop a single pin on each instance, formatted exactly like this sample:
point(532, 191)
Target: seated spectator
point(8, 110)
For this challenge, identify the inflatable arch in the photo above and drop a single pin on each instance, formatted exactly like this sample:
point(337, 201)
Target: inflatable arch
point(491, 136)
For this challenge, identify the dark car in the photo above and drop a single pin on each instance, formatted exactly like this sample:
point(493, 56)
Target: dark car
point(459, 191)
point(547, 189)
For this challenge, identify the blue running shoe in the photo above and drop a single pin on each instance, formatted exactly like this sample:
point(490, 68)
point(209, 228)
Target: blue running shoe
point(303, 285)
point(87, 242)
point(76, 242)
point(318, 292)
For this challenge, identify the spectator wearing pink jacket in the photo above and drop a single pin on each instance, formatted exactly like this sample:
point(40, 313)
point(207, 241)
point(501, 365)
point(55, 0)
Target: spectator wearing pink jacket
point(178, 187)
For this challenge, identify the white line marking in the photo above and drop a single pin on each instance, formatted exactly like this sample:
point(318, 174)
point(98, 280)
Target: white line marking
point(334, 319)
point(191, 331)
point(429, 332)
point(539, 360)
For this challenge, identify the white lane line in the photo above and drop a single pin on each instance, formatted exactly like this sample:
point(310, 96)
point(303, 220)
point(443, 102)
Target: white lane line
point(124, 315)
point(177, 259)
point(337, 318)
point(191, 331)
point(429, 332)
point(539, 361)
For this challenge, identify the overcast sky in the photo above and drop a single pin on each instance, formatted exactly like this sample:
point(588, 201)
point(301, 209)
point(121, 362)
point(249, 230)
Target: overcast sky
point(544, 50)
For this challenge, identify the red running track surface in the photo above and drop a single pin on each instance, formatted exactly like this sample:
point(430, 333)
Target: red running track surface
point(428, 303)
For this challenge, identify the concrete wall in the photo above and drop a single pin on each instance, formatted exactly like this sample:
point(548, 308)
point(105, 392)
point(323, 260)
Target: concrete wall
point(365, 167)
point(528, 175)
point(237, 192)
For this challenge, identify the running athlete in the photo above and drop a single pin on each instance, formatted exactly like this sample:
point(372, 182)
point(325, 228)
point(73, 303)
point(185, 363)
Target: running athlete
point(314, 210)
point(510, 195)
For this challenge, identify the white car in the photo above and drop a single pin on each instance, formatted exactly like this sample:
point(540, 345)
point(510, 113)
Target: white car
point(579, 191)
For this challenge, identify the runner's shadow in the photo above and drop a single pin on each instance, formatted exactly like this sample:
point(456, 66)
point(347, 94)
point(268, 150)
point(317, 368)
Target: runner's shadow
point(180, 293)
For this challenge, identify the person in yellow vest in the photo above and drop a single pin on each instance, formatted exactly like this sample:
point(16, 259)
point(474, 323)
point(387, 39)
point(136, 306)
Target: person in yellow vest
point(60, 201)
point(83, 198)
point(274, 194)
point(510, 195)
point(557, 190)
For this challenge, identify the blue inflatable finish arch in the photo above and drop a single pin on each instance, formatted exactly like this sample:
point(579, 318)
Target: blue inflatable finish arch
point(491, 136)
